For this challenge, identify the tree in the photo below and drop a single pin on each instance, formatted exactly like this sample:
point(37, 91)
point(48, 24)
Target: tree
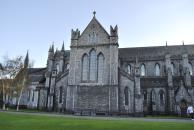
point(14, 77)
point(8, 71)
point(2, 86)
point(21, 80)
point(13, 66)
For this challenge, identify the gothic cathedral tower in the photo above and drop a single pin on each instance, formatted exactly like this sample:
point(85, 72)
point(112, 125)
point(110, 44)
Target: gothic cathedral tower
point(93, 73)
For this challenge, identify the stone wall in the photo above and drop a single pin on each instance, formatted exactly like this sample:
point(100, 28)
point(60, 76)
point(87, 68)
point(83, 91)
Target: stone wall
point(126, 82)
point(97, 98)
point(62, 82)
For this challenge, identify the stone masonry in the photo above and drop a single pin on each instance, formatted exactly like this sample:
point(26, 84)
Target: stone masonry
point(96, 77)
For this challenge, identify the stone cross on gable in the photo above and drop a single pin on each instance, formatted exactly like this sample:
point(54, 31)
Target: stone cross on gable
point(94, 13)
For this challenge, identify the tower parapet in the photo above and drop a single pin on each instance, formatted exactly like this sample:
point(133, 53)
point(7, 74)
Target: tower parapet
point(114, 34)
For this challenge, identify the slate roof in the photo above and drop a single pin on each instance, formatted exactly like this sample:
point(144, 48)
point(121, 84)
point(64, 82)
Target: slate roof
point(155, 51)
point(36, 71)
point(36, 74)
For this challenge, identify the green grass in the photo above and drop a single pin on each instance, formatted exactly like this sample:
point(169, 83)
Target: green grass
point(10, 121)
point(166, 117)
point(25, 110)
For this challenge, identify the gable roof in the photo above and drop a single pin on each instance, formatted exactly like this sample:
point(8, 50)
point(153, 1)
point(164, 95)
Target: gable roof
point(94, 21)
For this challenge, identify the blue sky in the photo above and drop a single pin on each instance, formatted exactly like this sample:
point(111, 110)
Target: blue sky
point(34, 24)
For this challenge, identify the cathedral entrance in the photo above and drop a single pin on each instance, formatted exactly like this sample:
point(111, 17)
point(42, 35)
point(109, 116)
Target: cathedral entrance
point(183, 107)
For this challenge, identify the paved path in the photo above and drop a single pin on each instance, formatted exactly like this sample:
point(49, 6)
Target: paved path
point(104, 117)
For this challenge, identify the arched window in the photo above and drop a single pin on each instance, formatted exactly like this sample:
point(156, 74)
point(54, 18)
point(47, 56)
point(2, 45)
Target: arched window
point(33, 96)
point(94, 37)
point(143, 70)
point(89, 38)
point(29, 94)
point(100, 67)
point(60, 94)
point(153, 97)
point(145, 95)
point(190, 69)
point(92, 65)
point(157, 70)
point(126, 93)
point(172, 68)
point(129, 69)
point(85, 67)
point(67, 66)
point(161, 94)
point(57, 67)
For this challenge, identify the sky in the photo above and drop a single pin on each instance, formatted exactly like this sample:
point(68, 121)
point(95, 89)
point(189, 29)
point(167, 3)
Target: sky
point(34, 25)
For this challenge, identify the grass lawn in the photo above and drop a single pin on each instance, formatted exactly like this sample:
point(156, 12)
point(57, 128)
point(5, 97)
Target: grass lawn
point(10, 121)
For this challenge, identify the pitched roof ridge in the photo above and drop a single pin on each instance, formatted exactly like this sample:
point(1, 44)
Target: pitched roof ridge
point(155, 46)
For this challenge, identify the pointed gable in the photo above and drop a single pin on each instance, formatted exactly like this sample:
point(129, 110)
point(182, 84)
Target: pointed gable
point(94, 33)
point(182, 93)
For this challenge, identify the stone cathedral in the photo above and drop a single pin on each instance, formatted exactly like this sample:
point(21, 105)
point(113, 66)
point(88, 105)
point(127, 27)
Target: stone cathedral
point(96, 77)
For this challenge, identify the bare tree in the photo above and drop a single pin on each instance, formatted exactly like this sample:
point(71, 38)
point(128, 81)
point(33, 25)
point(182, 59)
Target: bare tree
point(13, 66)
point(14, 76)
point(5, 90)
point(20, 82)
point(8, 71)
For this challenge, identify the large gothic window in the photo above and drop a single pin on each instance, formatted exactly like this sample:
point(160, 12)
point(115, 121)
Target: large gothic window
point(60, 94)
point(85, 67)
point(143, 70)
point(157, 70)
point(190, 69)
point(100, 67)
point(172, 68)
point(92, 70)
point(129, 69)
point(126, 93)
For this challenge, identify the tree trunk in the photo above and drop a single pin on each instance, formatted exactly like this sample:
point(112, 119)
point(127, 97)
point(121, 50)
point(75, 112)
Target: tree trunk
point(3, 97)
point(18, 103)
point(3, 105)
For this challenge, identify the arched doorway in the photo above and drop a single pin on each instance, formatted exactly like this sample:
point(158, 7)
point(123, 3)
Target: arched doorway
point(183, 106)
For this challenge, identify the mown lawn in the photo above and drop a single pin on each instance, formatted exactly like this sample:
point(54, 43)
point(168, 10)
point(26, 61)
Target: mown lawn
point(9, 121)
